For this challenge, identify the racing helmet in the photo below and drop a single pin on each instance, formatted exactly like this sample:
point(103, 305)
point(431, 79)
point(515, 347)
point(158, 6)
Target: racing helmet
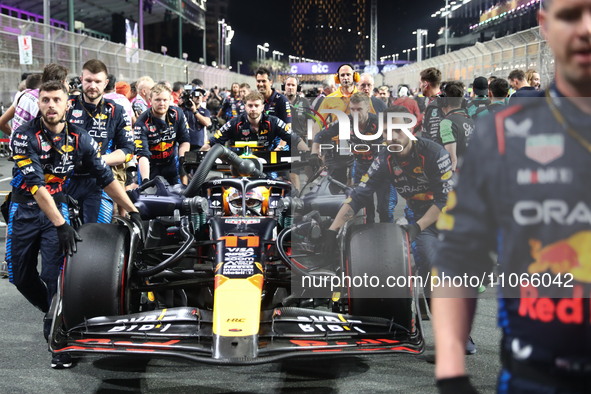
point(254, 201)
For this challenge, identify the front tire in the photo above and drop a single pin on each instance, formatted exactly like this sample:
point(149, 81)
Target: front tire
point(94, 277)
point(380, 250)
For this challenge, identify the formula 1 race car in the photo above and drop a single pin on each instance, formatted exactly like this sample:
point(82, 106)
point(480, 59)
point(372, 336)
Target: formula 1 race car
point(216, 277)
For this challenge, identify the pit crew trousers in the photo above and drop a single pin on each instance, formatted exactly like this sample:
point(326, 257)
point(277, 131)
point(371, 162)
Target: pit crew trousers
point(387, 196)
point(423, 248)
point(95, 205)
point(169, 171)
point(31, 232)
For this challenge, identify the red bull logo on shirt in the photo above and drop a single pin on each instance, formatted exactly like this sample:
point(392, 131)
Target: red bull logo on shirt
point(571, 255)
point(163, 146)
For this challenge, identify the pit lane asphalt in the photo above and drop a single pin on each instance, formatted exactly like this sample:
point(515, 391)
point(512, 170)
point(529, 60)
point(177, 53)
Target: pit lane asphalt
point(24, 360)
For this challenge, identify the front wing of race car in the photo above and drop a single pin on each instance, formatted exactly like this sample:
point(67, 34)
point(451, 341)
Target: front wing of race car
point(283, 332)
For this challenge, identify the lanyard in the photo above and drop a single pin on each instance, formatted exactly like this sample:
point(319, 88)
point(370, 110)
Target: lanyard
point(50, 140)
point(97, 122)
point(572, 132)
point(166, 119)
point(420, 164)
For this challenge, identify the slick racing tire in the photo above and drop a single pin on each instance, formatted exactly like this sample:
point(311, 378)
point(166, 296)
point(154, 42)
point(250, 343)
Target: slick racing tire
point(379, 250)
point(93, 278)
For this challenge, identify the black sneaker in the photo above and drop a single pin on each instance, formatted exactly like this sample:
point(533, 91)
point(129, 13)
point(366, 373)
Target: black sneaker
point(470, 346)
point(61, 360)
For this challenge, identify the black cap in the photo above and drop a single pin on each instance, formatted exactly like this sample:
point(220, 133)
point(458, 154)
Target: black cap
point(480, 86)
point(196, 90)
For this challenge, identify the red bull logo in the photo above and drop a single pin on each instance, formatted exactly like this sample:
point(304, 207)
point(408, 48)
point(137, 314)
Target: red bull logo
point(565, 310)
point(571, 255)
point(162, 147)
point(53, 179)
point(423, 196)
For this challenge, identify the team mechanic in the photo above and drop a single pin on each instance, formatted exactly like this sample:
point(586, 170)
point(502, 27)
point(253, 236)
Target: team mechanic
point(46, 150)
point(110, 126)
point(158, 132)
point(347, 77)
point(524, 189)
point(363, 152)
point(421, 173)
point(229, 108)
point(254, 125)
point(276, 104)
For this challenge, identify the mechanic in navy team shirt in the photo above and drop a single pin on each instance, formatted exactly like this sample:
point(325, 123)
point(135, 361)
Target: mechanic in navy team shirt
point(110, 126)
point(255, 125)
point(198, 118)
point(276, 104)
point(524, 191)
point(46, 150)
point(362, 151)
point(229, 108)
point(420, 170)
point(162, 138)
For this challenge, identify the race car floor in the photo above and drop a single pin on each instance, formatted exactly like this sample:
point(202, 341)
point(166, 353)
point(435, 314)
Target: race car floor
point(24, 361)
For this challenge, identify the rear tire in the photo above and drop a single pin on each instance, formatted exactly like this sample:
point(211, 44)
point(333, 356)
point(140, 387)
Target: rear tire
point(380, 249)
point(93, 283)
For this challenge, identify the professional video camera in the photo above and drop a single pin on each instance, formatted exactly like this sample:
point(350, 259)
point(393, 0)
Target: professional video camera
point(187, 103)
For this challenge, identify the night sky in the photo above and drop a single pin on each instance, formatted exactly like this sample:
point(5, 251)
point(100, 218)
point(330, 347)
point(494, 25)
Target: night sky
point(396, 22)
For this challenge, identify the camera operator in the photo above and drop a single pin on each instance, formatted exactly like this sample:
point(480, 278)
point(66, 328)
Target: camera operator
point(214, 100)
point(197, 116)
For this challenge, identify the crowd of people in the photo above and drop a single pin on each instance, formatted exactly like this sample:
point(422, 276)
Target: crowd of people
point(457, 155)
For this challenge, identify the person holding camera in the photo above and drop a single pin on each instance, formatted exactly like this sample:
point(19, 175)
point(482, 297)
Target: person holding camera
point(198, 117)
point(214, 100)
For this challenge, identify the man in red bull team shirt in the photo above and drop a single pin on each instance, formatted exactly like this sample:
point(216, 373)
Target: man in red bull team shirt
point(159, 132)
point(524, 190)
point(110, 126)
point(46, 150)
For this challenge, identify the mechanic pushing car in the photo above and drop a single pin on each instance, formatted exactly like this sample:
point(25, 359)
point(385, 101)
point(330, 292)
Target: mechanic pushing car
point(108, 124)
point(254, 125)
point(46, 150)
point(363, 152)
point(524, 189)
point(162, 138)
point(421, 173)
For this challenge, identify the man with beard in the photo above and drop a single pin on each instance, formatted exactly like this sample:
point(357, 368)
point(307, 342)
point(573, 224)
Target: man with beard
point(162, 138)
point(255, 125)
point(45, 152)
point(106, 122)
point(299, 105)
point(539, 226)
point(347, 77)
point(276, 104)
point(362, 151)
point(420, 170)
point(229, 107)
